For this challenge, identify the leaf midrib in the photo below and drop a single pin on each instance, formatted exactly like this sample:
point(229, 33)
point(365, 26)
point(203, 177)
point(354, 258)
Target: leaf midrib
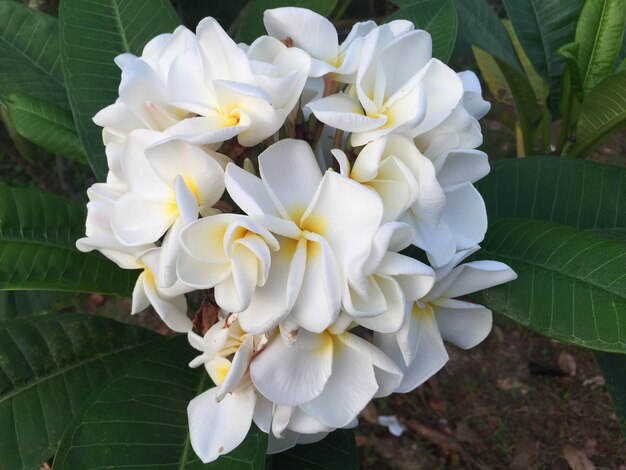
point(28, 58)
point(41, 379)
point(120, 26)
point(186, 446)
point(546, 267)
point(592, 56)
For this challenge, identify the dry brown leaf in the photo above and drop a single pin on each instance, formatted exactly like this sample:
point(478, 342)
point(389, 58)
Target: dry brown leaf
point(567, 363)
point(576, 459)
point(512, 383)
point(370, 414)
point(463, 433)
point(526, 453)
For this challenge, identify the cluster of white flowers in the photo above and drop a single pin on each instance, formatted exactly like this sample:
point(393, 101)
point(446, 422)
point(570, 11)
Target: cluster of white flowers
point(284, 179)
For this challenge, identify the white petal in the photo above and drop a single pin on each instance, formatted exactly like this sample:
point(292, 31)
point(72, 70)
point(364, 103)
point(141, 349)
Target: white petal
point(344, 112)
point(319, 298)
point(237, 369)
point(136, 221)
point(291, 375)
point(202, 130)
point(273, 301)
point(302, 423)
point(308, 30)
point(443, 91)
point(458, 167)
point(351, 386)
point(201, 173)
point(466, 216)
point(479, 275)
point(223, 59)
point(392, 319)
point(462, 323)
point(216, 428)
point(262, 416)
point(430, 354)
point(172, 310)
point(348, 215)
point(296, 159)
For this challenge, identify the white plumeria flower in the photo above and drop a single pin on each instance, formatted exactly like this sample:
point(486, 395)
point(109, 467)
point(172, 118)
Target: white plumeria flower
point(202, 89)
point(403, 178)
point(169, 303)
point(380, 298)
point(325, 226)
point(102, 198)
point(166, 182)
point(227, 99)
point(418, 347)
point(146, 100)
point(229, 252)
point(295, 369)
point(460, 130)
point(220, 418)
point(279, 70)
point(316, 35)
point(394, 92)
point(169, 184)
point(445, 219)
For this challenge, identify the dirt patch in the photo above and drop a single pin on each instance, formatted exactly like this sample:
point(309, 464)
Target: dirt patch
point(519, 400)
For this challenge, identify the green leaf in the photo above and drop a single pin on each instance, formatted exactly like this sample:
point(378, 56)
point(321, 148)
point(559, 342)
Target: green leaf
point(613, 368)
point(20, 303)
point(438, 17)
point(511, 86)
point(49, 366)
point(493, 76)
point(38, 232)
point(538, 84)
point(93, 32)
point(139, 419)
point(599, 34)
point(571, 284)
point(251, 26)
point(481, 27)
point(45, 124)
point(29, 54)
point(543, 26)
point(526, 108)
point(583, 194)
point(337, 450)
point(602, 113)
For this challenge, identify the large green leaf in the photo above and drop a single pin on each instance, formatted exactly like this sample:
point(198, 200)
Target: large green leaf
point(20, 303)
point(49, 366)
point(38, 232)
point(139, 419)
point(29, 54)
point(602, 113)
point(481, 27)
point(571, 284)
point(542, 27)
point(583, 194)
point(45, 124)
point(438, 17)
point(251, 25)
point(599, 34)
point(337, 450)
point(613, 368)
point(93, 32)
